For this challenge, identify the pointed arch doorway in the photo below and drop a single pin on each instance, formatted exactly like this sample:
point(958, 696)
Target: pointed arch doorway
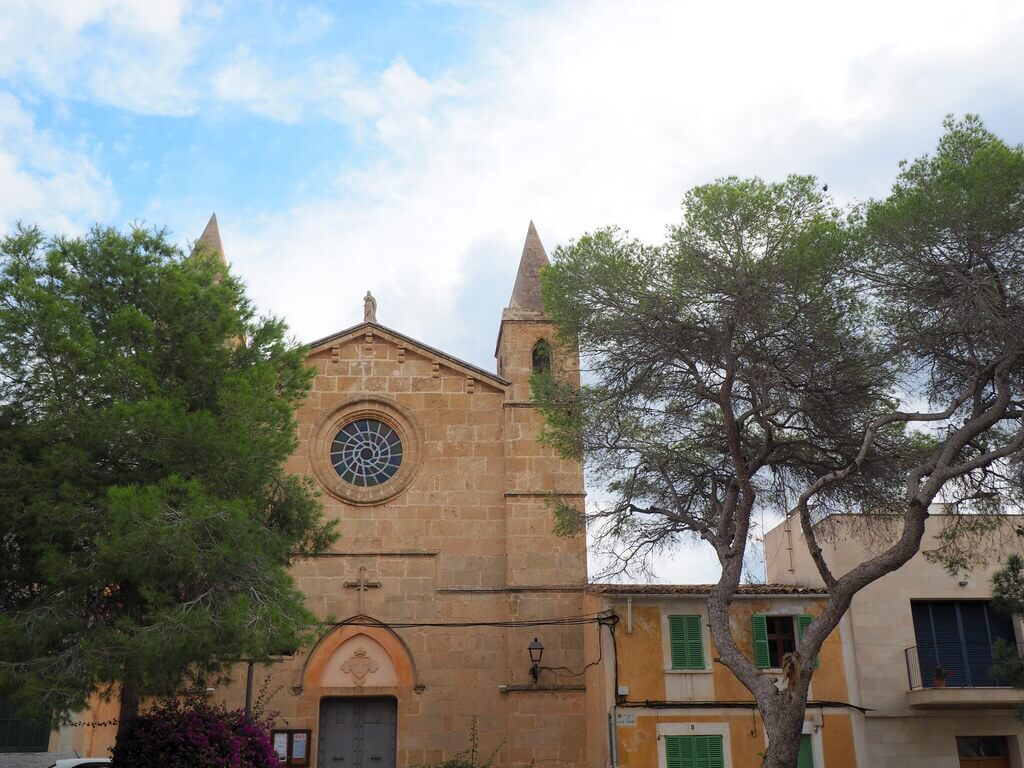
point(358, 732)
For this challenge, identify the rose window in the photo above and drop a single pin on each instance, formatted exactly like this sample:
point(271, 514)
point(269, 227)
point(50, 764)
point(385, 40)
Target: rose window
point(366, 452)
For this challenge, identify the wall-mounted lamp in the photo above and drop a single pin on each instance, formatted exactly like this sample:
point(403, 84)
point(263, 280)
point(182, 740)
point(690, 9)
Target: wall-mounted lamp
point(536, 649)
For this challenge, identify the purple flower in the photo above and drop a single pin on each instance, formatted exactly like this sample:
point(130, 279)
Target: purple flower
point(197, 734)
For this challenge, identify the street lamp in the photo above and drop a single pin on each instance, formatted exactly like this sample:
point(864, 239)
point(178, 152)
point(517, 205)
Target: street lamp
point(536, 649)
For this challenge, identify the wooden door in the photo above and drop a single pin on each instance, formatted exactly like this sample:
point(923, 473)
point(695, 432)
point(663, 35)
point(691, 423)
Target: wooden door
point(985, 762)
point(357, 733)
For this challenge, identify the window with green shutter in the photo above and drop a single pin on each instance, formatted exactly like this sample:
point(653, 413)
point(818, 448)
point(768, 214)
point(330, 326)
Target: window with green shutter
point(774, 637)
point(759, 631)
point(686, 642)
point(694, 752)
point(803, 622)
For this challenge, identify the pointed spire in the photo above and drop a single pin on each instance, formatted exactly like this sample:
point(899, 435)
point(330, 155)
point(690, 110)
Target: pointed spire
point(210, 239)
point(526, 293)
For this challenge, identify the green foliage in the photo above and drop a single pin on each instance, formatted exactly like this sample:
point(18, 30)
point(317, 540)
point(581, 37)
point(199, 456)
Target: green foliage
point(569, 520)
point(964, 540)
point(1008, 587)
point(147, 521)
point(1008, 599)
point(947, 257)
point(1008, 665)
point(770, 329)
point(758, 287)
point(776, 354)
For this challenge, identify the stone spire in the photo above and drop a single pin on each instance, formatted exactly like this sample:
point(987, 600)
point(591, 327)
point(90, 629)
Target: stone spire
point(526, 293)
point(210, 239)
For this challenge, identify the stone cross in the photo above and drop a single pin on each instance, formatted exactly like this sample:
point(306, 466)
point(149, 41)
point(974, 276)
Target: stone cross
point(362, 585)
point(369, 308)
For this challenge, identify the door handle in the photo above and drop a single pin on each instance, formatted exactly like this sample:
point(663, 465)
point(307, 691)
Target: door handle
point(375, 757)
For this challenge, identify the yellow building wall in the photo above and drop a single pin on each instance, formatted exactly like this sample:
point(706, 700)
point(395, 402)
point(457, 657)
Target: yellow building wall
point(639, 746)
point(642, 669)
point(641, 656)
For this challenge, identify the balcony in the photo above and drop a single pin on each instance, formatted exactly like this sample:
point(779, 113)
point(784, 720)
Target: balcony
point(970, 682)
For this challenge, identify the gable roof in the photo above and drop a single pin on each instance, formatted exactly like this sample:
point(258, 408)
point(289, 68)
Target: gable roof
point(403, 340)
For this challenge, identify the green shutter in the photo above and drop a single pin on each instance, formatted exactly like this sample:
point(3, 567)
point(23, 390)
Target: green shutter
point(686, 752)
point(694, 752)
point(802, 622)
point(716, 757)
point(700, 752)
point(806, 758)
point(673, 752)
point(686, 642)
point(759, 631)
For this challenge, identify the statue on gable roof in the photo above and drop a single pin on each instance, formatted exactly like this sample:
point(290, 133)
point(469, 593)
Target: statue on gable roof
point(369, 308)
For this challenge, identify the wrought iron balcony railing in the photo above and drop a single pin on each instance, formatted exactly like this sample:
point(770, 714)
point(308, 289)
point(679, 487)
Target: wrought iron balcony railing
point(954, 665)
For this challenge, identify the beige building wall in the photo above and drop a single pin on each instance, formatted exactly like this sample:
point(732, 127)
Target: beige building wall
point(905, 728)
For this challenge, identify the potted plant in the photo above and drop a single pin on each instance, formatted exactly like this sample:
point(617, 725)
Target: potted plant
point(939, 677)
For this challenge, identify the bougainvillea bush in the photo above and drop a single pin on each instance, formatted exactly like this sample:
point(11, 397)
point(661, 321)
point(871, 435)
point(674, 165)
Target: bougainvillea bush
point(196, 734)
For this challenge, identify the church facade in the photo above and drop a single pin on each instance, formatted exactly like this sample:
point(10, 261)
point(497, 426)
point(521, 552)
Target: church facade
point(447, 567)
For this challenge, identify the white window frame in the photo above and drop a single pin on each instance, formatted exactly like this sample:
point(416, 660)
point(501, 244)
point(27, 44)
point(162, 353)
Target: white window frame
point(666, 641)
point(817, 743)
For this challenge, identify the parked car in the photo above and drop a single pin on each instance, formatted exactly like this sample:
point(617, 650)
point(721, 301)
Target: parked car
point(82, 762)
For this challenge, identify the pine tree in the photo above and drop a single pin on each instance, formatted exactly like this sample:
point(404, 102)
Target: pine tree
point(146, 521)
point(778, 354)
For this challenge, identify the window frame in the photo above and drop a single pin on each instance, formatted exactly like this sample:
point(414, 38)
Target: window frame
point(31, 734)
point(777, 640)
point(543, 347)
point(799, 620)
point(964, 674)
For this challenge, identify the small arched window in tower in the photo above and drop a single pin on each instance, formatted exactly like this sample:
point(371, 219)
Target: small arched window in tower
point(541, 357)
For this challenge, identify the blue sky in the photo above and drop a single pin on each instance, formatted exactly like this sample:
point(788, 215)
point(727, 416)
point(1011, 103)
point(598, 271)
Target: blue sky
point(403, 147)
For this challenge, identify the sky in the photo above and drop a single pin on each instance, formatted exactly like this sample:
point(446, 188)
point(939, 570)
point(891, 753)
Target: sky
point(403, 147)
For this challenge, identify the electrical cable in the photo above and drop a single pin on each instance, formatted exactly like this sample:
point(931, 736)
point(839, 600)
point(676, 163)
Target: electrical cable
point(606, 620)
point(565, 621)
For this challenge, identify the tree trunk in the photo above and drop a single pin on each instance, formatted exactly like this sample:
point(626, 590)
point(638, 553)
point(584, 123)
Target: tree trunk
point(783, 732)
point(128, 709)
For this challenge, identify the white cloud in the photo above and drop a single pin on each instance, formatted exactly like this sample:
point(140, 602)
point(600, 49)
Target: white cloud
point(130, 54)
point(578, 115)
point(249, 82)
point(590, 114)
point(42, 182)
point(389, 106)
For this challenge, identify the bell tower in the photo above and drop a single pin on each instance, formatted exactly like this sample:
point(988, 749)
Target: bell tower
point(526, 339)
point(535, 475)
point(545, 574)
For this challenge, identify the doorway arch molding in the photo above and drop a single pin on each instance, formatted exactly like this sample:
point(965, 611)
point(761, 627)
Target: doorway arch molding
point(315, 665)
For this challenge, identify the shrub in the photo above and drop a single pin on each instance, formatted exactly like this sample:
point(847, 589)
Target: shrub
point(196, 734)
